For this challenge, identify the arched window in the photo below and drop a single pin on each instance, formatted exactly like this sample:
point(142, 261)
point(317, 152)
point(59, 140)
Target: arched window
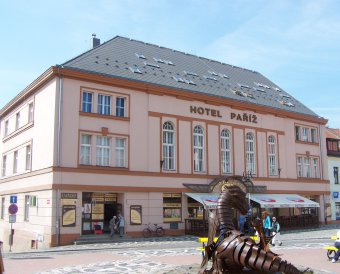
point(168, 146)
point(225, 151)
point(250, 154)
point(272, 159)
point(199, 165)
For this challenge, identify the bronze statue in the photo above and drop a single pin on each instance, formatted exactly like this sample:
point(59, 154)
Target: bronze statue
point(233, 250)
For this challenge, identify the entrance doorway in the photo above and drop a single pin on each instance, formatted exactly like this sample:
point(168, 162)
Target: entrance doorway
point(110, 210)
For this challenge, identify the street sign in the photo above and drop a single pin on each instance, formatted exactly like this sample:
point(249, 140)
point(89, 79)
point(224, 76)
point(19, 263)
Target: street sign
point(13, 209)
point(12, 218)
point(13, 199)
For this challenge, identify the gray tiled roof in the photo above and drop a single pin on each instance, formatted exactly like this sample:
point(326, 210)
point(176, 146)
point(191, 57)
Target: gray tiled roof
point(120, 56)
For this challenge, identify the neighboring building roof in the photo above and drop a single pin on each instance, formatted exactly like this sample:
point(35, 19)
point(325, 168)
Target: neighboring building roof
point(333, 133)
point(138, 61)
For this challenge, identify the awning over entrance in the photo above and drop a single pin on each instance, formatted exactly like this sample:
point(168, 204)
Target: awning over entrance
point(282, 200)
point(208, 200)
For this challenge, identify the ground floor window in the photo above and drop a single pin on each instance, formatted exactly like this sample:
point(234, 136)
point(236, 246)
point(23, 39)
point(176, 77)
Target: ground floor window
point(172, 207)
point(195, 209)
point(337, 211)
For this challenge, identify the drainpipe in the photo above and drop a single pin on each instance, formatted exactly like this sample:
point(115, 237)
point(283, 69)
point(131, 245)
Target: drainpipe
point(322, 177)
point(58, 156)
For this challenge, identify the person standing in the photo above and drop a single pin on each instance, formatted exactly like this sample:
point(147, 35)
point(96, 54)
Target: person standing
point(276, 232)
point(113, 226)
point(121, 224)
point(242, 221)
point(337, 245)
point(267, 226)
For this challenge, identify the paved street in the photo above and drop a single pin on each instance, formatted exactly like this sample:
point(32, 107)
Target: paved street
point(164, 255)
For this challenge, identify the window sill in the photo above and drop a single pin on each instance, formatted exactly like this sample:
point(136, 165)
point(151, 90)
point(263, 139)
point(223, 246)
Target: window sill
point(17, 132)
point(103, 116)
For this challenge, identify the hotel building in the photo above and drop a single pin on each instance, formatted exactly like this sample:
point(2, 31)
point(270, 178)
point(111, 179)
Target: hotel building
point(127, 126)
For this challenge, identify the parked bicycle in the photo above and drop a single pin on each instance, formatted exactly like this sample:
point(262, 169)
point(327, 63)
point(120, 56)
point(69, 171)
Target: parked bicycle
point(154, 230)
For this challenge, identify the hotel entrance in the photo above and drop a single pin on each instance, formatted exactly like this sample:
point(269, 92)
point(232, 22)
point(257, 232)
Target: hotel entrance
point(98, 209)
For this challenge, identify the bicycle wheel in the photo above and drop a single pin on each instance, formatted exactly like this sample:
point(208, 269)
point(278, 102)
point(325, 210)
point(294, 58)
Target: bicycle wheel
point(330, 254)
point(147, 232)
point(159, 232)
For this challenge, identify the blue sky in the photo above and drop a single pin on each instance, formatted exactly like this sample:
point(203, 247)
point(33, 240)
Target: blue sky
point(294, 43)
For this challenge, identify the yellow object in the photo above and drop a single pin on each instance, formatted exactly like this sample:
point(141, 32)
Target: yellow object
point(329, 247)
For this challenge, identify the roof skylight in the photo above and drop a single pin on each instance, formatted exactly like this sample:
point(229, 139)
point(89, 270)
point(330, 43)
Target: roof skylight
point(223, 75)
point(151, 65)
point(210, 78)
point(158, 60)
point(243, 86)
point(190, 73)
point(212, 72)
point(135, 70)
point(286, 103)
point(183, 80)
point(168, 62)
point(141, 56)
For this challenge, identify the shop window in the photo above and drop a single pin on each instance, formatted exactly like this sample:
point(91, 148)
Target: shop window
point(337, 211)
point(172, 207)
point(195, 209)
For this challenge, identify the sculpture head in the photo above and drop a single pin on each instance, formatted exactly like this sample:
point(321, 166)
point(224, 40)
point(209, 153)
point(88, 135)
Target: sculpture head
point(238, 199)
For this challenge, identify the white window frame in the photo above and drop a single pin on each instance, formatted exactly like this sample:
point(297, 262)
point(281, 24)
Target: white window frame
point(85, 149)
point(28, 163)
point(315, 163)
point(103, 151)
point(120, 152)
point(169, 152)
point(299, 166)
point(199, 149)
point(30, 112)
point(305, 134)
point(86, 104)
point(104, 104)
point(298, 133)
point(313, 134)
point(226, 152)
point(6, 128)
point(250, 154)
point(15, 161)
point(120, 109)
point(272, 156)
point(17, 121)
point(27, 208)
point(307, 167)
point(4, 165)
point(3, 201)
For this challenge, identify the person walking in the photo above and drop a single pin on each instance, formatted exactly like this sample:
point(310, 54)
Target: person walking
point(121, 224)
point(267, 226)
point(113, 226)
point(337, 245)
point(276, 232)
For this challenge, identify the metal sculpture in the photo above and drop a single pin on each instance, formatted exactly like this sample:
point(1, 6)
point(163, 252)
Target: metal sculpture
point(233, 250)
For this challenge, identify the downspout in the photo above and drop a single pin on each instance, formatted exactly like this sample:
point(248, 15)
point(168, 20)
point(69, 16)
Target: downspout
point(322, 177)
point(58, 156)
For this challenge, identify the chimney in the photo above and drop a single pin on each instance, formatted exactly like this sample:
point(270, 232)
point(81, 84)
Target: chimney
point(95, 41)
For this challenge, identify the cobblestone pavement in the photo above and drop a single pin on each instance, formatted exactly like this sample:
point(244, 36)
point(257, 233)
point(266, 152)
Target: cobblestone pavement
point(177, 255)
